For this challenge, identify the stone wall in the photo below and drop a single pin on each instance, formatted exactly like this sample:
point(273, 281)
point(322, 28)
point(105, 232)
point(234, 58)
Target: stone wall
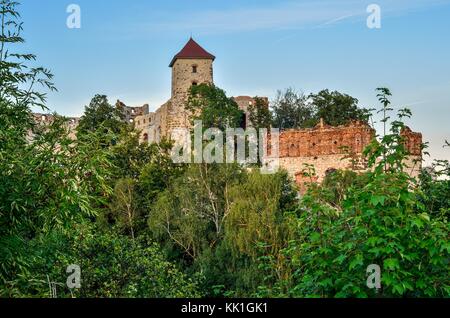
point(131, 112)
point(47, 119)
point(183, 76)
point(325, 148)
point(413, 141)
point(244, 102)
point(328, 148)
point(413, 144)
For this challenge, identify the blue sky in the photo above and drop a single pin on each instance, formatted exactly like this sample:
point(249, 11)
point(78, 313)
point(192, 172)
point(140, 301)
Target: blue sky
point(124, 47)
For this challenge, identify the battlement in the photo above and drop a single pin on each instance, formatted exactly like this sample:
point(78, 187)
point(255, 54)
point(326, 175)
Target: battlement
point(325, 140)
point(131, 112)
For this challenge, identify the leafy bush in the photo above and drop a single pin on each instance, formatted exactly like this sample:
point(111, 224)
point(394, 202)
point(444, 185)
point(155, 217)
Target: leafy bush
point(377, 218)
point(111, 265)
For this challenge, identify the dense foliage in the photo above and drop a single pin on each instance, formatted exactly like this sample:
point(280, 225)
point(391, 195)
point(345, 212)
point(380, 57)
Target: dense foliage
point(297, 110)
point(53, 191)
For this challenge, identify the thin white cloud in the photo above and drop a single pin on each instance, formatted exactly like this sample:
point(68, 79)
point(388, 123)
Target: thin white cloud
point(339, 19)
point(280, 16)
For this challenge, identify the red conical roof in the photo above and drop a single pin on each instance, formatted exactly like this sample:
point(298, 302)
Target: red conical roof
point(192, 50)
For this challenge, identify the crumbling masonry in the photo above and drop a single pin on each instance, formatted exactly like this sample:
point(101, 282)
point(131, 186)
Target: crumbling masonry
point(324, 147)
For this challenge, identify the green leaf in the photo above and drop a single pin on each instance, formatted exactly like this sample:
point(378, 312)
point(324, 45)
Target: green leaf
point(357, 261)
point(340, 259)
point(391, 264)
point(377, 200)
point(424, 216)
point(315, 237)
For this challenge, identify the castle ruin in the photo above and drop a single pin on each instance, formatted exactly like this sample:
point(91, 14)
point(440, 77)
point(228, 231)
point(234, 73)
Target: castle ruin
point(325, 147)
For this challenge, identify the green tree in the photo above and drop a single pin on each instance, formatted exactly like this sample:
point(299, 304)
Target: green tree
point(336, 108)
point(192, 211)
point(111, 265)
point(129, 155)
point(46, 179)
point(157, 174)
point(123, 205)
point(100, 115)
point(434, 184)
point(378, 220)
point(259, 113)
point(291, 110)
point(256, 213)
point(260, 118)
point(213, 107)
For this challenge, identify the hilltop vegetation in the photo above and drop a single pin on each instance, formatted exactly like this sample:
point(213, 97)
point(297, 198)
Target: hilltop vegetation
point(140, 225)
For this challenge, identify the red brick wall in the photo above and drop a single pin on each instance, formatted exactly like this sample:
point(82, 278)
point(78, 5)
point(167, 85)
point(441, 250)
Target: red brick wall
point(325, 140)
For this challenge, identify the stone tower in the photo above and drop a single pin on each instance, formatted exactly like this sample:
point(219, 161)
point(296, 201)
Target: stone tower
point(193, 65)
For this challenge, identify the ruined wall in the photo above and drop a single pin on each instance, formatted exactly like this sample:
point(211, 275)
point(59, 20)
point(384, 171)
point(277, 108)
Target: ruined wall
point(47, 119)
point(325, 148)
point(244, 103)
point(167, 119)
point(413, 144)
point(131, 112)
point(143, 123)
point(413, 141)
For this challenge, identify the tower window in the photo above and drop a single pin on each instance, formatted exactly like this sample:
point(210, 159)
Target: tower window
point(194, 68)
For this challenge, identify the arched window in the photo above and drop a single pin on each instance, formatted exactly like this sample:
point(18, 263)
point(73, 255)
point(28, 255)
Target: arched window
point(293, 151)
point(194, 68)
point(145, 137)
point(194, 83)
point(358, 142)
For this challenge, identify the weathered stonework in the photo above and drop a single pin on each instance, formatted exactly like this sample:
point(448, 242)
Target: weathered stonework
point(168, 119)
point(244, 103)
point(323, 147)
point(327, 148)
point(130, 113)
point(48, 119)
point(413, 145)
